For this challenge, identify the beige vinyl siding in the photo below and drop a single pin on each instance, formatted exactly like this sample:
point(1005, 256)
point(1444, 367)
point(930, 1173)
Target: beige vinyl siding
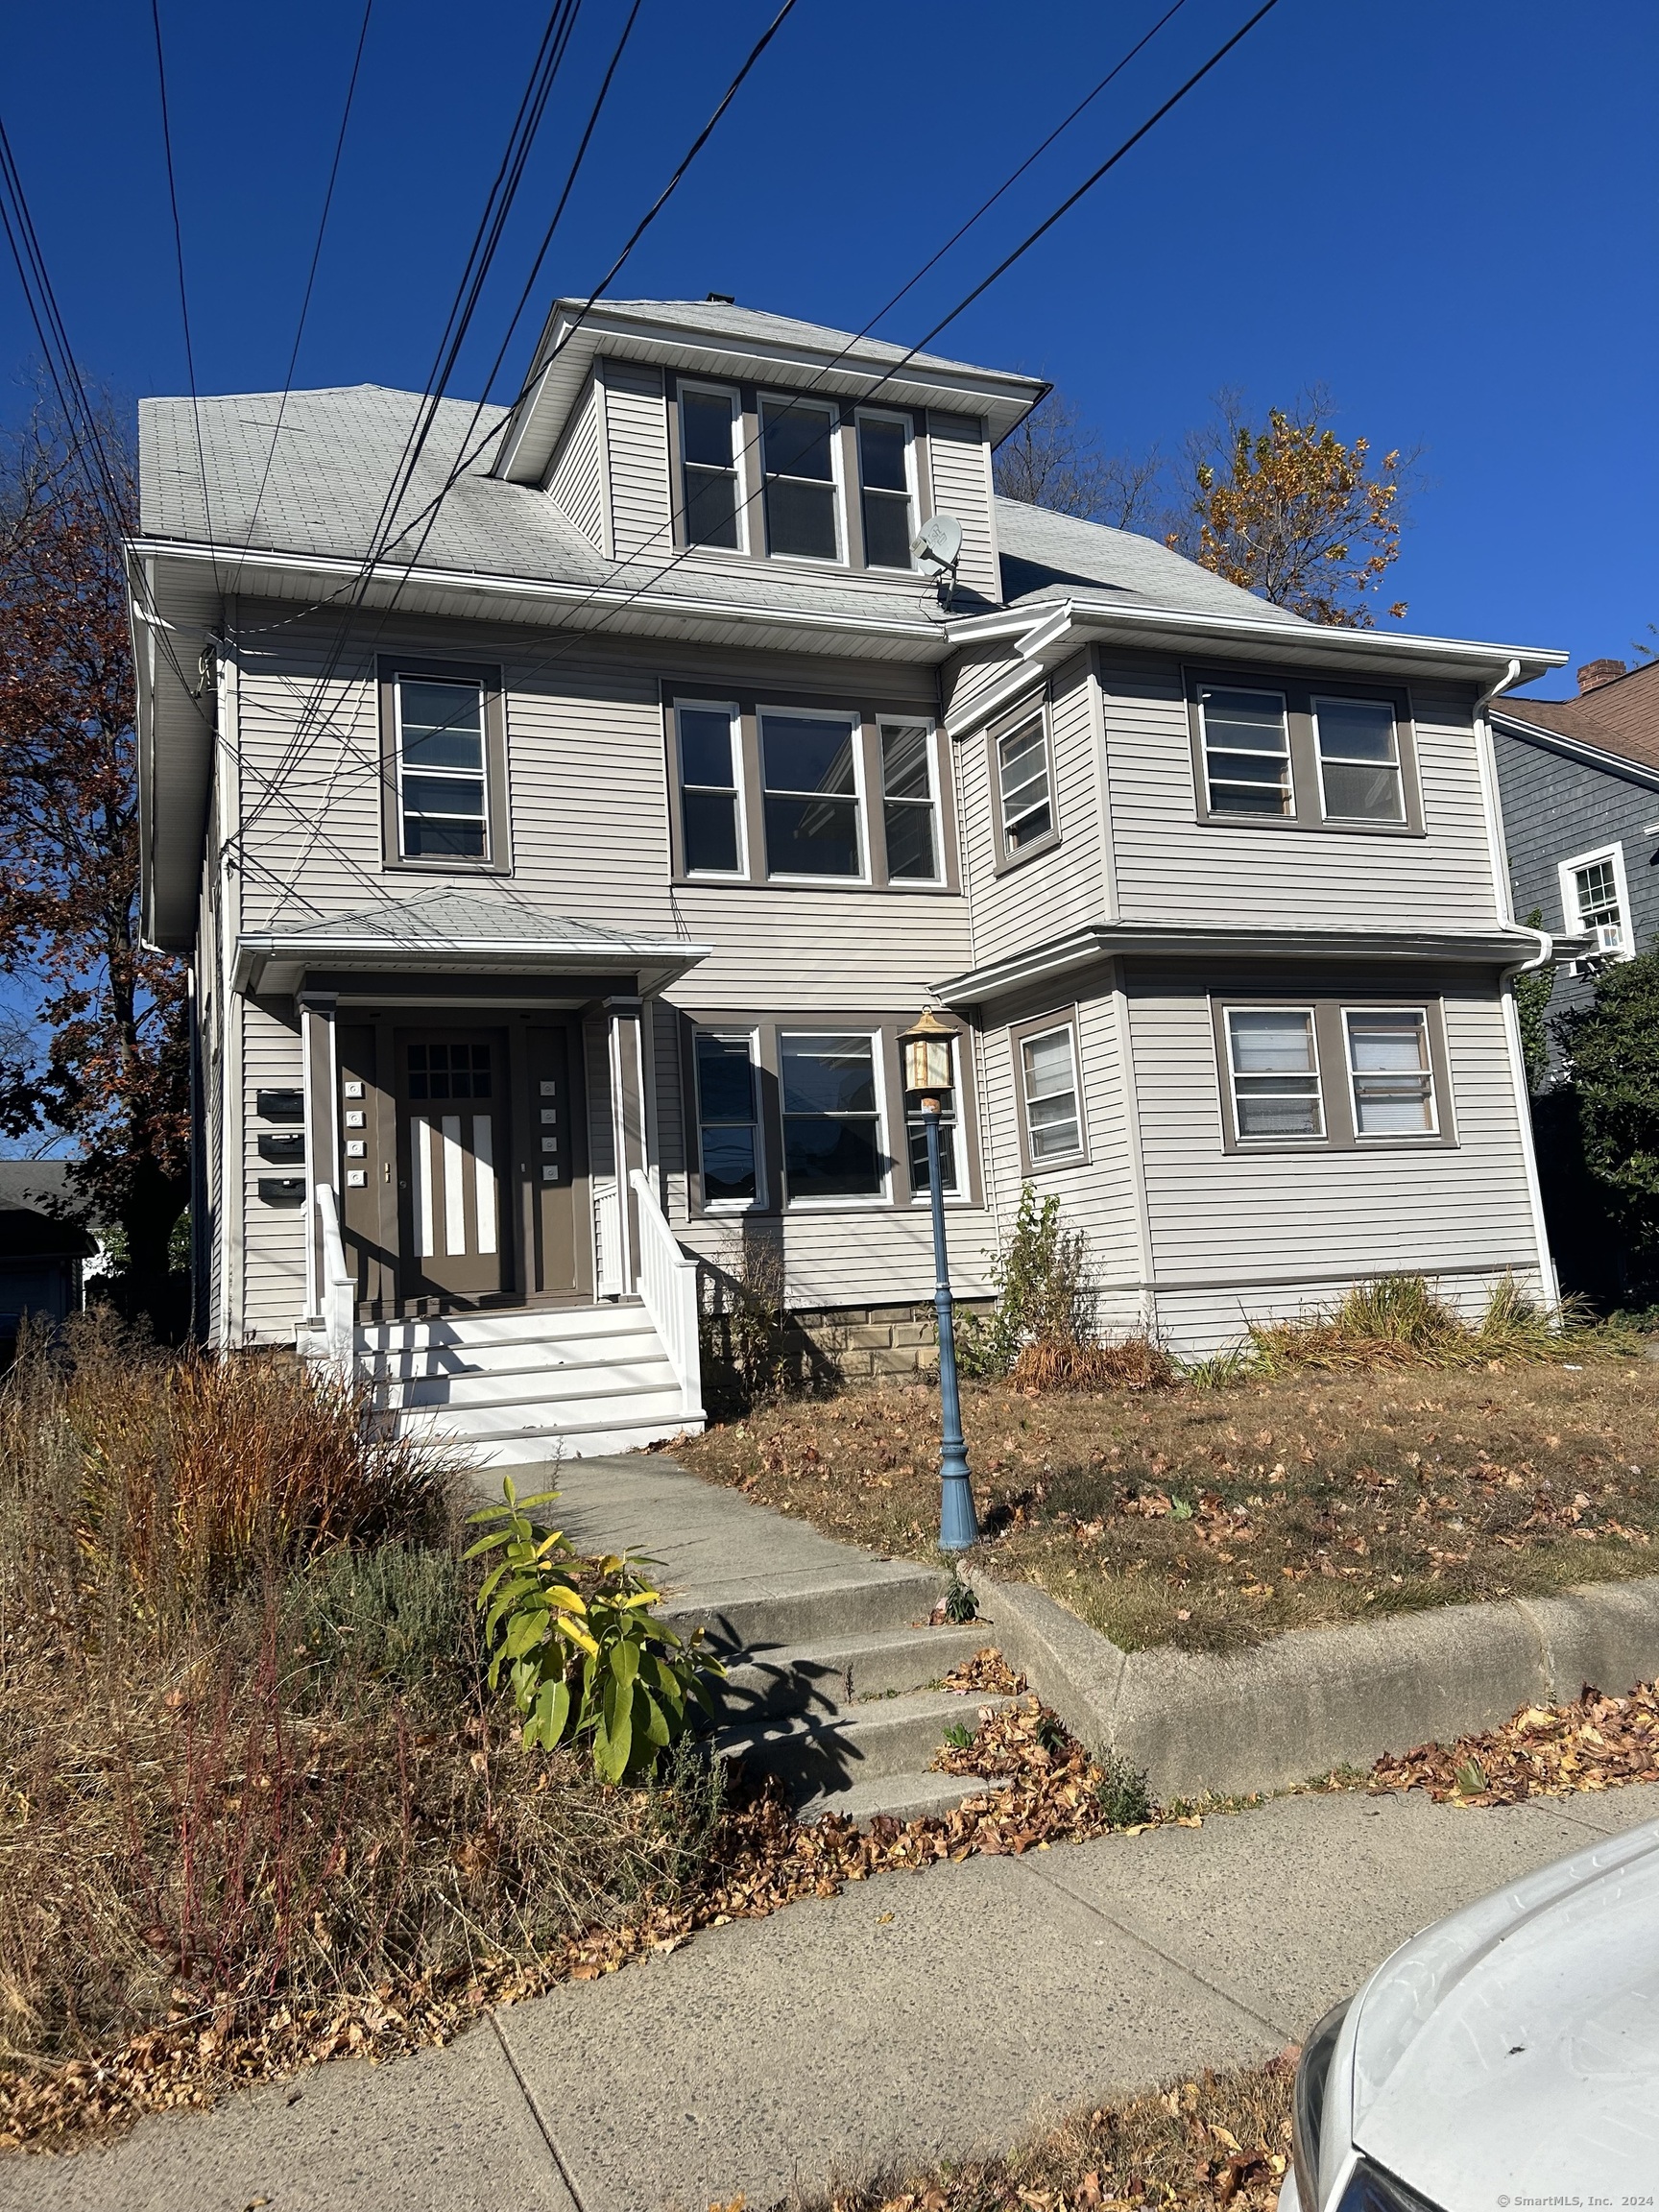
point(637, 443)
point(576, 485)
point(959, 459)
point(273, 1236)
point(1227, 1225)
point(1170, 866)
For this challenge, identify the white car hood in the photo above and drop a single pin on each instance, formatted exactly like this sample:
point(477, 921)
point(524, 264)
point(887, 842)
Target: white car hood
point(1513, 2049)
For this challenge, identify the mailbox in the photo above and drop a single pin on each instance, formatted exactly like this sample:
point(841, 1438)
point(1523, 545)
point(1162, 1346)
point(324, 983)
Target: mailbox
point(282, 1189)
point(283, 1147)
point(280, 1105)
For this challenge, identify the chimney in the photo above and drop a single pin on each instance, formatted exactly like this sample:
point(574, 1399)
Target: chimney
point(1595, 673)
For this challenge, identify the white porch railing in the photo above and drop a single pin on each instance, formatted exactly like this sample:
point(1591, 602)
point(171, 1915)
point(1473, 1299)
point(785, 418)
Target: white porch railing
point(339, 1301)
point(668, 1292)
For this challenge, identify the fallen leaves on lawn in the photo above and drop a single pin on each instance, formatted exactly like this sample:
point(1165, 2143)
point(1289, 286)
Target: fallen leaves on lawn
point(1595, 1742)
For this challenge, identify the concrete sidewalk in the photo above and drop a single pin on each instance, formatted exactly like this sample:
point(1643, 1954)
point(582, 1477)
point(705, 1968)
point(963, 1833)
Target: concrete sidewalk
point(915, 2015)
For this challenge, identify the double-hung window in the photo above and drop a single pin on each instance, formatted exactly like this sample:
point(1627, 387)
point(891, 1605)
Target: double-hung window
point(909, 805)
point(728, 1119)
point(710, 810)
point(1024, 786)
point(1051, 1095)
point(831, 1102)
point(798, 439)
point(810, 778)
point(1274, 1065)
point(1359, 779)
point(1594, 896)
point(442, 779)
point(711, 481)
point(1390, 1072)
point(1246, 751)
point(884, 490)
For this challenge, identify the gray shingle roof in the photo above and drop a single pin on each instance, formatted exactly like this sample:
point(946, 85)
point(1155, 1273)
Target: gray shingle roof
point(1049, 556)
point(719, 320)
point(445, 916)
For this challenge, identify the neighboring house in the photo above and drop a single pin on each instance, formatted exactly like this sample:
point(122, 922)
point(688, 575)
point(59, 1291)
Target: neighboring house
point(1580, 783)
point(43, 1250)
point(559, 883)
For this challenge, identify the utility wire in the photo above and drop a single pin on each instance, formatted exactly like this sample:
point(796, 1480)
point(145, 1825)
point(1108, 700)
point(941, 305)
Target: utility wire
point(179, 259)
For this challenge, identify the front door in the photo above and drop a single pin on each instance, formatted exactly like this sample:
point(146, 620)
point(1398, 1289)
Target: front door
point(454, 1146)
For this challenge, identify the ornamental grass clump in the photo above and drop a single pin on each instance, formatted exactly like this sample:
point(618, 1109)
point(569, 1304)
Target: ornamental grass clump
point(1399, 1321)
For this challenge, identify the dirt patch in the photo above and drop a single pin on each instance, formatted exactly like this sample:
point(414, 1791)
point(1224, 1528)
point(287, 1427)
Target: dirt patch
point(1213, 1518)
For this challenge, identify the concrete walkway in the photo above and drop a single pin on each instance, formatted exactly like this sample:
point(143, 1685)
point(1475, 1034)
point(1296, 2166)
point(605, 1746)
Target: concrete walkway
point(913, 2015)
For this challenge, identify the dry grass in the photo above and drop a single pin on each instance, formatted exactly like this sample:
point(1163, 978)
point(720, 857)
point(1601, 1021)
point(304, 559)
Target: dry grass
point(1399, 1322)
point(1221, 2139)
point(1212, 1517)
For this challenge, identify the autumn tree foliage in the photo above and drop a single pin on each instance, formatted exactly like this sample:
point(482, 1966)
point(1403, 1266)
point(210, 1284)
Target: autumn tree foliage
point(106, 1058)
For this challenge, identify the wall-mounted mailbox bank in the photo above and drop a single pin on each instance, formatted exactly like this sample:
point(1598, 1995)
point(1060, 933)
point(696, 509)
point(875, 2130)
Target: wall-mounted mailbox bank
point(280, 1145)
point(280, 1105)
point(282, 1189)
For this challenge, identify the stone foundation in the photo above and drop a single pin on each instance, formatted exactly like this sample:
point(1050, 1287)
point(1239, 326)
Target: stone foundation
point(875, 1343)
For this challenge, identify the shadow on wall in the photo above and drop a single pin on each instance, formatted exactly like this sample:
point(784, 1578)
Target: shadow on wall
point(754, 1348)
point(1595, 1256)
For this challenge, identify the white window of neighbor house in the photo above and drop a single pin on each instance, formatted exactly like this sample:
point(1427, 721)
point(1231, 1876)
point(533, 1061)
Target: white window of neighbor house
point(728, 1119)
point(1052, 1095)
point(442, 783)
point(1595, 896)
point(1274, 1066)
point(711, 479)
point(710, 803)
point(798, 439)
point(830, 1093)
point(1246, 751)
point(1390, 1072)
point(1358, 744)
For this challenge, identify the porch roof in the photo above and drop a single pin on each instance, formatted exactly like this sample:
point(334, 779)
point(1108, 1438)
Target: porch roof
point(455, 931)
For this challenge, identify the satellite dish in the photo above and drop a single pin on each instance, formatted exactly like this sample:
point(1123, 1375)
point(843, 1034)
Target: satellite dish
point(938, 541)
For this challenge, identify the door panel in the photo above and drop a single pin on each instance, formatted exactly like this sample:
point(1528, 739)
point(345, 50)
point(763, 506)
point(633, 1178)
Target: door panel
point(556, 1161)
point(454, 1129)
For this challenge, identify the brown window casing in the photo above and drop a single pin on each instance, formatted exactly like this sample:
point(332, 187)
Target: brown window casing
point(1019, 1033)
point(1299, 692)
point(1035, 705)
point(1335, 1085)
point(868, 716)
point(497, 855)
point(886, 1028)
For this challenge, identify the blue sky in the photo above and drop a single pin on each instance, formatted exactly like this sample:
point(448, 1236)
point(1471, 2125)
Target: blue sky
point(1448, 214)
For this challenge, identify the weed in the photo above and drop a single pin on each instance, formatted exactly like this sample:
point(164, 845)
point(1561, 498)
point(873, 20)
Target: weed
point(1122, 1790)
point(959, 1736)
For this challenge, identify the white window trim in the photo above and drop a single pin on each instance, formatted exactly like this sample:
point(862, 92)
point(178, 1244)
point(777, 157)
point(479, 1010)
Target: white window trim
point(1318, 699)
point(1029, 1037)
point(1320, 1136)
point(735, 720)
point(1007, 852)
point(1429, 1136)
point(1570, 913)
point(752, 1038)
point(862, 1203)
point(935, 796)
point(1288, 755)
point(739, 458)
point(912, 485)
point(854, 719)
point(838, 475)
point(487, 857)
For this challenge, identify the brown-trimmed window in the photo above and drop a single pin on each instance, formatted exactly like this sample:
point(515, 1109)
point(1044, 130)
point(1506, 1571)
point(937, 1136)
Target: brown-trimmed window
point(1277, 750)
point(884, 487)
point(1333, 1074)
point(1048, 1070)
point(1024, 785)
point(443, 737)
point(803, 494)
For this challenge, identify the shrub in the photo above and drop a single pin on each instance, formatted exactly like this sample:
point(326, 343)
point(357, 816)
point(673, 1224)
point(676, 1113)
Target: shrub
point(584, 1657)
point(1398, 1321)
point(1045, 1295)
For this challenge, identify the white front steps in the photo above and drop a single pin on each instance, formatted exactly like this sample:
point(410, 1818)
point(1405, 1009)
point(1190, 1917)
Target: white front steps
point(531, 1383)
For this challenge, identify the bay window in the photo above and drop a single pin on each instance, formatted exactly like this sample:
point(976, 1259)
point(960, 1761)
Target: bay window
point(728, 1119)
point(710, 814)
point(908, 806)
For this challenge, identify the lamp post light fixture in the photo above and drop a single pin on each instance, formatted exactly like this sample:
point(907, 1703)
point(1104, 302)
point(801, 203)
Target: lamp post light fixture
point(926, 1048)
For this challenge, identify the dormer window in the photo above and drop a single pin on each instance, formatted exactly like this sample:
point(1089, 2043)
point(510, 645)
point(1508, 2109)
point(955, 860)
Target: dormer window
point(798, 453)
point(709, 435)
point(884, 490)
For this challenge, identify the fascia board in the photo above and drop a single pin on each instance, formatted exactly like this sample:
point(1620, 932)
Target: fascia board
point(259, 952)
point(1617, 764)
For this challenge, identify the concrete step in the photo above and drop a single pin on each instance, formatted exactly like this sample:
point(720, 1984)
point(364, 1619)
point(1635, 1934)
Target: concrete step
point(624, 1409)
point(741, 1621)
point(919, 1796)
point(590, 1385)
point(837, 1670)
point(816, 1754)
point(516, 1356)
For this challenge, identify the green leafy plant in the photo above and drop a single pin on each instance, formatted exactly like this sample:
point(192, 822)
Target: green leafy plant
point(959, 1736)
point(1124, 1797)
point(583, 1657)
point(959, 1602)
point(1045, 1293)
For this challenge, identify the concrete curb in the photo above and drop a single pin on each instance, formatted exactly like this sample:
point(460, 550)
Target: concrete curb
point(1321, 1697)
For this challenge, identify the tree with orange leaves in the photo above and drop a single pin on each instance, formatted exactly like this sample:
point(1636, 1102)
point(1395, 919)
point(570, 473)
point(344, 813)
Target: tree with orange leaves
point(110, 1063)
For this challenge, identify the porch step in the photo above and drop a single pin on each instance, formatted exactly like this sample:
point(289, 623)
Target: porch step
point(901, 1798)
point(514, 1357)
point(555, 1384)
point(505, 1325)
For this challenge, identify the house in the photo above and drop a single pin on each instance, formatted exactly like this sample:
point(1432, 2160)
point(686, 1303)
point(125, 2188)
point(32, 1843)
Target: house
point(559, 873)
point(45, 1248)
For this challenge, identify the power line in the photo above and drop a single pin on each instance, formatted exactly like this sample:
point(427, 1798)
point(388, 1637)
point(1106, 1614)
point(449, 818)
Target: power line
point(179, 258)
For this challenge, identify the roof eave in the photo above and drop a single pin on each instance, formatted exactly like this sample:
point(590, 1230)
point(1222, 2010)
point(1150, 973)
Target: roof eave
point(1575, 748)
point(277, 961)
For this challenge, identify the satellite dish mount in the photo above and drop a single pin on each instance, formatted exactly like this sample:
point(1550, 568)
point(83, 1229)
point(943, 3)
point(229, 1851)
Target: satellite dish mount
point(937, 546)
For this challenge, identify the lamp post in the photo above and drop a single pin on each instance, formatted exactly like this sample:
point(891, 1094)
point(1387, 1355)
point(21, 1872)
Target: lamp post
point(926, 1049)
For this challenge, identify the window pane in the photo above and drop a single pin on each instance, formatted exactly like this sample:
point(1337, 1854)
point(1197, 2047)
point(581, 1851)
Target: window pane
point(1355, 728)
point(441, 724)
point(827, 1159)
point(887, 530)
point(882, 456)
point(706, 748)
point(905, 762)
point(801, 520)
point(1596, 893)
point(1023, 766)
point(828, 1074)
point(727, 1163)
point(1276, 1113)
point(706, 428)
point(1248, 751)
point(1357, 794)
point(918, 1127)
point(710, 826)
point(806, 753)
point(711, 507)
point(812, 837)
point(443, 795)
point(797, 437)
point(911, 856)
point(725, 1078)
point(1276, 1079)
point(1272, 1041)
point(1388, 1043)
point(1052, 1125)
point(443, 840)
point(1245, 721)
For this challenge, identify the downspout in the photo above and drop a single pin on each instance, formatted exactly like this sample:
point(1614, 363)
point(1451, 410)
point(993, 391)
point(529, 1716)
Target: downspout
point(1541, 958)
